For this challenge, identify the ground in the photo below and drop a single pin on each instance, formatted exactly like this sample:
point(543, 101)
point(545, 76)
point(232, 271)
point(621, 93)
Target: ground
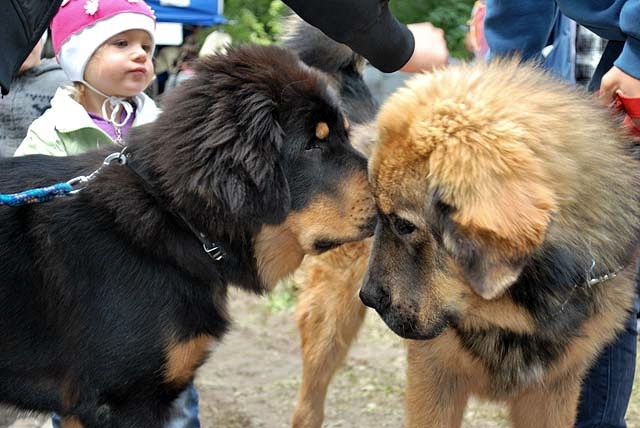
point(252, 378)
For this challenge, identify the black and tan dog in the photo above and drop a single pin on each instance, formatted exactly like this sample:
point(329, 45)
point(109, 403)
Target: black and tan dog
point(507, 240)
point(110, 301)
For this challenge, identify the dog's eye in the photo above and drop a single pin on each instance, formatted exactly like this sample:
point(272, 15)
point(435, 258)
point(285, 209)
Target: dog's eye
point(402, 226)
point(313, 144)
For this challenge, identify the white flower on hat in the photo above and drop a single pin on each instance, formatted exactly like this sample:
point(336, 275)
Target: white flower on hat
point(91, 7)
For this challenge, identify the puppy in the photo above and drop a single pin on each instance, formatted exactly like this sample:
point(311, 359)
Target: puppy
point(113, 296)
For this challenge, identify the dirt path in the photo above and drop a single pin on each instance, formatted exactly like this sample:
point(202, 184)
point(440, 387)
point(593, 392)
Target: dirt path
point(252, 378)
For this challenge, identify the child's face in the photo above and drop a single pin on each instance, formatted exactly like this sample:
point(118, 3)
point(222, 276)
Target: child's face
point(122, 65)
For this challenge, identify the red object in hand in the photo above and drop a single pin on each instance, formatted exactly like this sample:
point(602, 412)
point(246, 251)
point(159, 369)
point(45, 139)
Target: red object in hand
point(631, 107)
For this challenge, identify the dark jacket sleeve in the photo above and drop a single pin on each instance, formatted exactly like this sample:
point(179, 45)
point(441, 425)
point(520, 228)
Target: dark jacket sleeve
point(519, 27)
point(22, 23)
point(366, 26)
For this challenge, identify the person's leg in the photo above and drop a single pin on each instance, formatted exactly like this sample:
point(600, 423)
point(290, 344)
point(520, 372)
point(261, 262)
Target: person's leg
point(184, 412)
point(55, 420)
point(607, 388)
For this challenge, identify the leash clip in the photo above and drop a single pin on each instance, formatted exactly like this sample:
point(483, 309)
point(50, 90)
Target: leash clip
point(119, 156)
point(82, 180)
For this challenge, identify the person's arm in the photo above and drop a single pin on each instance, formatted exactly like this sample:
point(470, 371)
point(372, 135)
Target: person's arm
point(629, 59)
point(21, 25)
point(518, 27)
point(366, 26)
point(624, 77)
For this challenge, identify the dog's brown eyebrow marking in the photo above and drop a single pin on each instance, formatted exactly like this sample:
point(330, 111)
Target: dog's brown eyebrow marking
point(347, 125)
point(322, 130)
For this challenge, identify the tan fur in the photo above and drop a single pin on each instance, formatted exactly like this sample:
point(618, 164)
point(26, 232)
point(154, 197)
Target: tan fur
point(440, 371)
point(329, 314)
point(506, 162)
point(347, 213)
point(70, 423)
point(363, 137)
point(183, 358)
point(482, 119)
point(278, 253)
point(279, 249)
point(322, 130)
point(524, 160)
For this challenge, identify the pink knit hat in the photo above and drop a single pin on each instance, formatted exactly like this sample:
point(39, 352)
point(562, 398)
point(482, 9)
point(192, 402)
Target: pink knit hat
point(82, 26)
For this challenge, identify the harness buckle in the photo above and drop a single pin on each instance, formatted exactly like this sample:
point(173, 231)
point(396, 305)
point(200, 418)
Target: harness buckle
point(214, 251)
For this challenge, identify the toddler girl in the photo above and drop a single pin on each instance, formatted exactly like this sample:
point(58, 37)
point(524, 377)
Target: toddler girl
point(106, 48)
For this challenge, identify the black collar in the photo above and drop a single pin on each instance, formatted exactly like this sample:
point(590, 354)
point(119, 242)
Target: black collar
point(213, 250)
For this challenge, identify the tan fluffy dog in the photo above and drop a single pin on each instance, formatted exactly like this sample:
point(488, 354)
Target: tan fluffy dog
point(504, 254)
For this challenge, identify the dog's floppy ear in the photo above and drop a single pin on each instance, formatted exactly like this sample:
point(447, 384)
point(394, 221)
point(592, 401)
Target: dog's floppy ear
point(244, 169)
point(491, 224)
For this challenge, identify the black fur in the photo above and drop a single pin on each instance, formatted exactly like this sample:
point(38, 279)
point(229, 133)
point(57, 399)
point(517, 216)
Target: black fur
point(342, 66)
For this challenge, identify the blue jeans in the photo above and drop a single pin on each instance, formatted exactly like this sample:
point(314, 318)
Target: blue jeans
point(607, 388)
point(184, 412)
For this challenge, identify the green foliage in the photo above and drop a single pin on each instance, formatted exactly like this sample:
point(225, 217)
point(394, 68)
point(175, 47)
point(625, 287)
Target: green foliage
point(257, 21)
point(450, 15)
point(260, 21)
point(283, 297)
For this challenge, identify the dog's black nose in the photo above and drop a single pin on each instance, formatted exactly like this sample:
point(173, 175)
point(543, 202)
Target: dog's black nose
point(367, 298)
point(374, 295)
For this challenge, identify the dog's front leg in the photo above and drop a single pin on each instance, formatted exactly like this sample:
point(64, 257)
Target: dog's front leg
point(552, 405)
point(435, 396)
point(329, 315)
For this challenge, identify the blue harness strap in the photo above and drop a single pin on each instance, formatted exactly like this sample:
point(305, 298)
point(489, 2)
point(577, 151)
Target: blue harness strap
point(33, 196)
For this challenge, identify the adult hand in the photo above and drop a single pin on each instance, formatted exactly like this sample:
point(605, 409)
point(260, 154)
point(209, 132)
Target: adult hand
point(430, 48)
point(616, 81)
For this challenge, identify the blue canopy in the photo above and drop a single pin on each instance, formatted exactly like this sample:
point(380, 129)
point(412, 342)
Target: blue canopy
point(190, 12)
